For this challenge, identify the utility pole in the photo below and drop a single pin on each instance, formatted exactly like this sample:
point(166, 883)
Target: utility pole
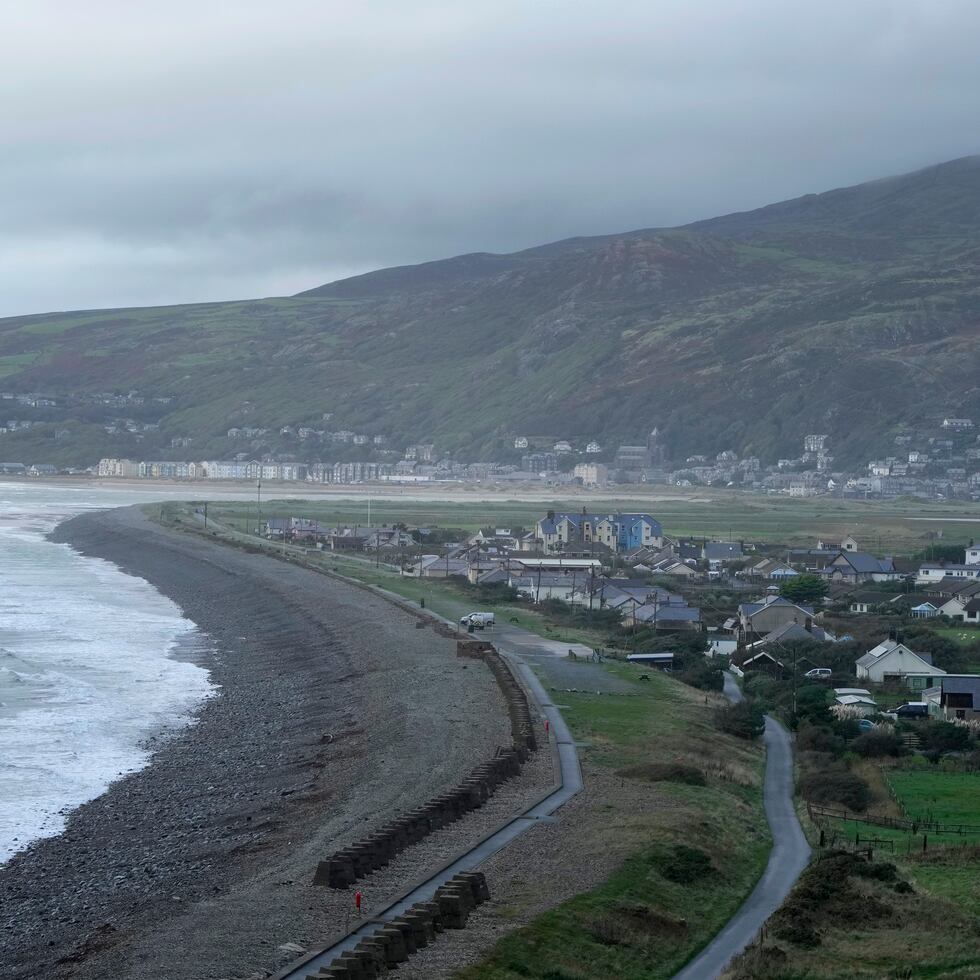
point(258, 505)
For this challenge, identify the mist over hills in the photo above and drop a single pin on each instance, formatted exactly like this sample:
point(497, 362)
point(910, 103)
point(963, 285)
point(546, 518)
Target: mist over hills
point(854, 312)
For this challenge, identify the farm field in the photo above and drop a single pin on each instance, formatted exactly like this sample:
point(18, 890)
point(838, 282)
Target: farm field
point(949, 798)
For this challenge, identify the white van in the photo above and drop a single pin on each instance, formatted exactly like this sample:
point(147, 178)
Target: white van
point(819, 674)
point(478, 620)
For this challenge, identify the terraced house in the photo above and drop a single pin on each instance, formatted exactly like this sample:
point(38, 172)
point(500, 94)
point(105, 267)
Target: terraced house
point(580, 532)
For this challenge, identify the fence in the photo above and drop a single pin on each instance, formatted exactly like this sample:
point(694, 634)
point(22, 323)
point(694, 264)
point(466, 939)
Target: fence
point(915, 826)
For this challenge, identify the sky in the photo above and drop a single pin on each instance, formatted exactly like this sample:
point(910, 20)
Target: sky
point(193, 151)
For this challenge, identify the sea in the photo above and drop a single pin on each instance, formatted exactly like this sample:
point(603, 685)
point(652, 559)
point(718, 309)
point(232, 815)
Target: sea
point(93, 663)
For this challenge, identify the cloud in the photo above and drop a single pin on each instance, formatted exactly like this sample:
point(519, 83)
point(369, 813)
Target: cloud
point(195, 151)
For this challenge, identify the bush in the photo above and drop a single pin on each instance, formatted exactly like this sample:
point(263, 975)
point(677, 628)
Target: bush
point(872, 745)
point(665, 772)
point(837, 786)
point(743, 719)
point(944, 736)
point(703, 674)
point(683, 864)
point(818, 738)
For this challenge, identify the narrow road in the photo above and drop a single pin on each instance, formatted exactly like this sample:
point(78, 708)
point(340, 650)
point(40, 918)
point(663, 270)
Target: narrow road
point(789, 856)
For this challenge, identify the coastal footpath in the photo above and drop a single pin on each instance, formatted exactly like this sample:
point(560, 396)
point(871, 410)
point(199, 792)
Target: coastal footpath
point(334, 713)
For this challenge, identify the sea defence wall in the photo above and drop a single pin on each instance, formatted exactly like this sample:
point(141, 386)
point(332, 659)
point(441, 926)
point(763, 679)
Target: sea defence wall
point(343, 868)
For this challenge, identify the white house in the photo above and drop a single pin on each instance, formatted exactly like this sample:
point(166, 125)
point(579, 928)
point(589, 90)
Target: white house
point(892, 660)
point(973, 555)
point(936, 571)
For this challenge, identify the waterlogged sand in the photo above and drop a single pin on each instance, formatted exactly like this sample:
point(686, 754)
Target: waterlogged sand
point(334, 713)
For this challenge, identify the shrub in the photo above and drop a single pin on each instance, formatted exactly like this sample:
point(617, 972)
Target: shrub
point(703, 674)
point(665, 772)
point(944, 736)
point(743, 719)
point(818, 738)
point(873, 745)
point(837, 786)
point(683, 864)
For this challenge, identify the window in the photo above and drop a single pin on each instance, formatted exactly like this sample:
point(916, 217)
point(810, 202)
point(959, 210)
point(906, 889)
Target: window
point(961, 713)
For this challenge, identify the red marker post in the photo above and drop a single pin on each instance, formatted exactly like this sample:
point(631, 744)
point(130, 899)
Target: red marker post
point(357, 902)
point(547, 725)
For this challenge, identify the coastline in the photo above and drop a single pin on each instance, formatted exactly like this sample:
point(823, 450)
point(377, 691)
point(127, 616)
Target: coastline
point(333, 713)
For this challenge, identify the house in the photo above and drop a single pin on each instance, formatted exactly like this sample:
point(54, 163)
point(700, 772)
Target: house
point(618, 532)
point(674, 568)
point(757, 619)
point(770, 568)
point(720, 647)
point(971, 611)
point(934, 571)
point(960, 698)
point(862, 704)
point(859, 566)
point(973, 555)
point(924, 610)
point(669, 617)
point(536, 588)
point(719, 553)
point(433, 566)
point(764, 662)
point(891, 661)
point(665, 661)
point(791, 632)
point(869, 600)
point(42, 469)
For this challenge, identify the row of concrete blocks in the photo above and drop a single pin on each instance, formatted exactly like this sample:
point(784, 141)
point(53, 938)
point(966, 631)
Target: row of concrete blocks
point(521, 725)
point(393, 943)
point(377, 849)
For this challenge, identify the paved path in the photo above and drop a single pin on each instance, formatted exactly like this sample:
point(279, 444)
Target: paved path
point(789, 856)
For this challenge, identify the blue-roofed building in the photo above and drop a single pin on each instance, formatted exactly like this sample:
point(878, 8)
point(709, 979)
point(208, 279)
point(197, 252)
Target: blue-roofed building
point(579, 532)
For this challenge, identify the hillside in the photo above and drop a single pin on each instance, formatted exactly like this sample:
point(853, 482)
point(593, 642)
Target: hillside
point(852, 312)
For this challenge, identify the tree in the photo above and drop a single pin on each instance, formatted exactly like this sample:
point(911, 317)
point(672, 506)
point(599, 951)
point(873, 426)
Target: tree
point(803, 588)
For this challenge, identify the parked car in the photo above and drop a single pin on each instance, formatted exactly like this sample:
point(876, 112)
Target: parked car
point(819, 674)
point(866, 725)
point(478, 620)
point(912, 709)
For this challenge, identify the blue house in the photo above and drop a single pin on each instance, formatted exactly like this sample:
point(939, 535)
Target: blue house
point(618, 532)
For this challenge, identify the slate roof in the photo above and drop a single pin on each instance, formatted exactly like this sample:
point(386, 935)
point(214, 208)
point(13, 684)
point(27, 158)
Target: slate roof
point(749, 609)
point(963, 685)
point(791, 632)
point(723, 550)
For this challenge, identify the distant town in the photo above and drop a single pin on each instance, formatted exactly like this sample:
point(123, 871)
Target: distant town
point(938, 459)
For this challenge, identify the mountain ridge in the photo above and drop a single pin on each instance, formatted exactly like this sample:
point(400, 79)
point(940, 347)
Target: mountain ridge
point(853, 312)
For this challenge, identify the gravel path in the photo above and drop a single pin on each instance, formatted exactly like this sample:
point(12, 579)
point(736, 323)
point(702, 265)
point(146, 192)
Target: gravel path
point(199, 865)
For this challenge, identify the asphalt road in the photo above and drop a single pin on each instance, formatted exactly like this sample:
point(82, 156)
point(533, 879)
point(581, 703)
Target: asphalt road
point(789, 856)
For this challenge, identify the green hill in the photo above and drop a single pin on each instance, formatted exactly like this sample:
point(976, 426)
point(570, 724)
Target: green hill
point(853, 312)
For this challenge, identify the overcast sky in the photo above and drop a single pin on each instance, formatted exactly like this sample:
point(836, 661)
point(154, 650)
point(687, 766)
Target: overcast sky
point(181, 151)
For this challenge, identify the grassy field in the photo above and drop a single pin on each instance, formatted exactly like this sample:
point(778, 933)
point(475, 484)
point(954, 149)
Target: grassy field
point(894, 527)
point(964, 635)
point(698, 852)
point(950, 798)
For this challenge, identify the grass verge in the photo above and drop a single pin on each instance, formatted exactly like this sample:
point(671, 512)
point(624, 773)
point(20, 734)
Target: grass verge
point(684, 802)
